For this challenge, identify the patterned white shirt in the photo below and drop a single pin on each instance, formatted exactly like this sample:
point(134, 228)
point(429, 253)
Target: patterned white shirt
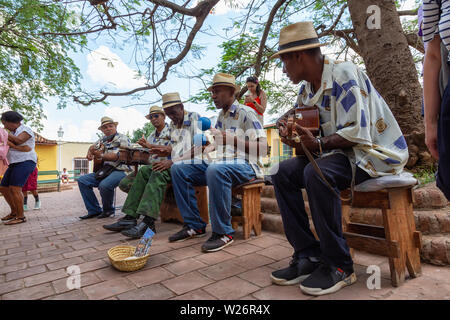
point(113, 146)
point(182, 139)
point(350, 106)
point(436, 20)
point(163, 139)
point(243, 122)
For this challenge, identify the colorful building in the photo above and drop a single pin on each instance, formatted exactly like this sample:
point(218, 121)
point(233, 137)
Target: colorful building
point(72, 156)
point(278, 150)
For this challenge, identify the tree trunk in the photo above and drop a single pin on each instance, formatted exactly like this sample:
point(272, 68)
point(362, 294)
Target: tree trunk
point(389, 63)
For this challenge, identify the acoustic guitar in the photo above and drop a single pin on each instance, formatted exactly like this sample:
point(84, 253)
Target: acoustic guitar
point(98, 162)
point(305, 116)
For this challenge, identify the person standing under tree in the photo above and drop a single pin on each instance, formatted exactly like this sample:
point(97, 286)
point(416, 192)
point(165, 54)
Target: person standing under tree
point(257, 99)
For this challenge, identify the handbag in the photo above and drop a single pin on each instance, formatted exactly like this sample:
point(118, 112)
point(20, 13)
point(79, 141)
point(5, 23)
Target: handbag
point(105, 171)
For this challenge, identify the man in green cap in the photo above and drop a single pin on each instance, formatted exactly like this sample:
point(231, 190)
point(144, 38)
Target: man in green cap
point(146, 189)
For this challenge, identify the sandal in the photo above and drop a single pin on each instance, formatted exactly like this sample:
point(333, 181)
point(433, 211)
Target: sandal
point(9, 217)
point(16, 221)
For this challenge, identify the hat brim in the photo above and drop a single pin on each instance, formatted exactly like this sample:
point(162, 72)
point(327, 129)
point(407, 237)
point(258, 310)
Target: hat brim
point(298, 48)
point(235, 86)
point(148, 116)
point(100, 128)
point(173, 104)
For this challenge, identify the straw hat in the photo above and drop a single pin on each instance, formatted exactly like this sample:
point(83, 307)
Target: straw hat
point(171, 99)
point(224, 79)
point(297, 37)
point(106, 120)
point(154, 109)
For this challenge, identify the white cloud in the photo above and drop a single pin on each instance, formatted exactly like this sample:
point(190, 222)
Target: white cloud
point(129, 119)
point(107, 69)
point(85, 130)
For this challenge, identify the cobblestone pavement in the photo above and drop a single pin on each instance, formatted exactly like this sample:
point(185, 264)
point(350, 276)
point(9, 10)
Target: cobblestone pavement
point(34, 257)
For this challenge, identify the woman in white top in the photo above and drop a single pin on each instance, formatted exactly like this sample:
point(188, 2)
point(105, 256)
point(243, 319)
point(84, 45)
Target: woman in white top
point(22, 161)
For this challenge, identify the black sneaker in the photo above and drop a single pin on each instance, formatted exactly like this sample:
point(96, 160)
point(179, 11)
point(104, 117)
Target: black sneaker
point(327, 279)
point(298, 270)
point(217, 242)
point(186, 233)
point(137, 231)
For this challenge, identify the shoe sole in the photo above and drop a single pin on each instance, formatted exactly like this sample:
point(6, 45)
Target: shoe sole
point(184, 239)
point(351, 279)
point(117, 229)
point(284, 282)
point(218, 249)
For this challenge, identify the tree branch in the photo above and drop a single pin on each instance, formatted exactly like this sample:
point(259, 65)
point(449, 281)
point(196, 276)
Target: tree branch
point(203, 12)
point(415, 42)
point(412, 12)
point(262, 44)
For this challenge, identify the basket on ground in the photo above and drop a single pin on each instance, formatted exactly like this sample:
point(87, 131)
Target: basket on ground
point(118, 254)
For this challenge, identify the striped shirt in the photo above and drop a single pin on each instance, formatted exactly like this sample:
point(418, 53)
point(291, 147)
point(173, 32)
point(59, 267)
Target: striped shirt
point(182, 139)
point(350, 106)
point(436, 20)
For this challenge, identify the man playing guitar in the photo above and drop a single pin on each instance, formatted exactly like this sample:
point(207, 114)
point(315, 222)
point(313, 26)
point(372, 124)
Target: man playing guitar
point(105, 155)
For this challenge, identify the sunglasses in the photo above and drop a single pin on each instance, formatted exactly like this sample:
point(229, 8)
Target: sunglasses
point(156, 116)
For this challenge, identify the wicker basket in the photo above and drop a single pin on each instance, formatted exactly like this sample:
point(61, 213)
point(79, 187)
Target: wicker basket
point(117, 255)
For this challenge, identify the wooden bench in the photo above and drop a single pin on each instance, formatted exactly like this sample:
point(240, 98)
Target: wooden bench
point(251, 218)
point(169, 210)
point(249, 193)
point(48, 181)
point(397, 239)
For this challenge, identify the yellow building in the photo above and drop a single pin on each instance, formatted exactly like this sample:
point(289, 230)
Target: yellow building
point(46, 151)
point(72, 156)
point(278, 150)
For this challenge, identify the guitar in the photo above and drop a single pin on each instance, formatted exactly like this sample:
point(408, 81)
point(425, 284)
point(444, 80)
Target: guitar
point(98, 162)
point(305, 116)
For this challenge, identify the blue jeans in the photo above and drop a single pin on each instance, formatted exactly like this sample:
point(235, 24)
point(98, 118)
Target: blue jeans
point(87, 182)
point(220, 178)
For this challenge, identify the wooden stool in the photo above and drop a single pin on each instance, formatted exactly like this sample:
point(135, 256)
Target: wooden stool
point(397, 239)
point(169, 210)
point(251, 217)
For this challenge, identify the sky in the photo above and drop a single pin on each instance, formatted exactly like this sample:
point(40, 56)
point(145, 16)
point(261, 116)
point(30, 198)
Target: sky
point(107, 66)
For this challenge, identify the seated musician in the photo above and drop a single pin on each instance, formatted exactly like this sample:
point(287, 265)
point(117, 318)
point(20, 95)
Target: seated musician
point(237, 131)
point(182, 130)
point(106, 152)
point(360, 139)
point(146, 188)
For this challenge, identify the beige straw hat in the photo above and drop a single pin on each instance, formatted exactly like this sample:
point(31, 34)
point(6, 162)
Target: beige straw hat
point(224, 79)
point(154, 109)
point(106, 120)
point(297, 37)
point(171, 99)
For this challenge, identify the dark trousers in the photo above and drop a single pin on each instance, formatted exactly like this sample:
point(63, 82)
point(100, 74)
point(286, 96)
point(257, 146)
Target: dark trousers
point(443, 174)
point(297, 173)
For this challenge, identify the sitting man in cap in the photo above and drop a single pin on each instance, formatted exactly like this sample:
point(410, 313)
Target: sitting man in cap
point(360, 139)
point(111, 142)
point(238, 131)
point(145, 189)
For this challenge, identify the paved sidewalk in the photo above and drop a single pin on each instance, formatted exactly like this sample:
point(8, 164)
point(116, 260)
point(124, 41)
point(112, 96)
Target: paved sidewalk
point(34, 257)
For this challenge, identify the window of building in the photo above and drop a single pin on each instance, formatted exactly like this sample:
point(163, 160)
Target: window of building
point(287, 151)
point(81, 164)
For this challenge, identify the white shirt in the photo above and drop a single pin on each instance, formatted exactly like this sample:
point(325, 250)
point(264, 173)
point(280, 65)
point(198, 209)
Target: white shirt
point(15, 156)
point(436, 20)
point(350, 106)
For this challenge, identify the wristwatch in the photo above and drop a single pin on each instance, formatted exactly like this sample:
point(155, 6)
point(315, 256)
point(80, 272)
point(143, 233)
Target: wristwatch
point(319, 140)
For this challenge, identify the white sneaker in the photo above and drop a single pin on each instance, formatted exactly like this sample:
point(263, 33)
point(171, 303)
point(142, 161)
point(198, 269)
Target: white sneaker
point(37, 205)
